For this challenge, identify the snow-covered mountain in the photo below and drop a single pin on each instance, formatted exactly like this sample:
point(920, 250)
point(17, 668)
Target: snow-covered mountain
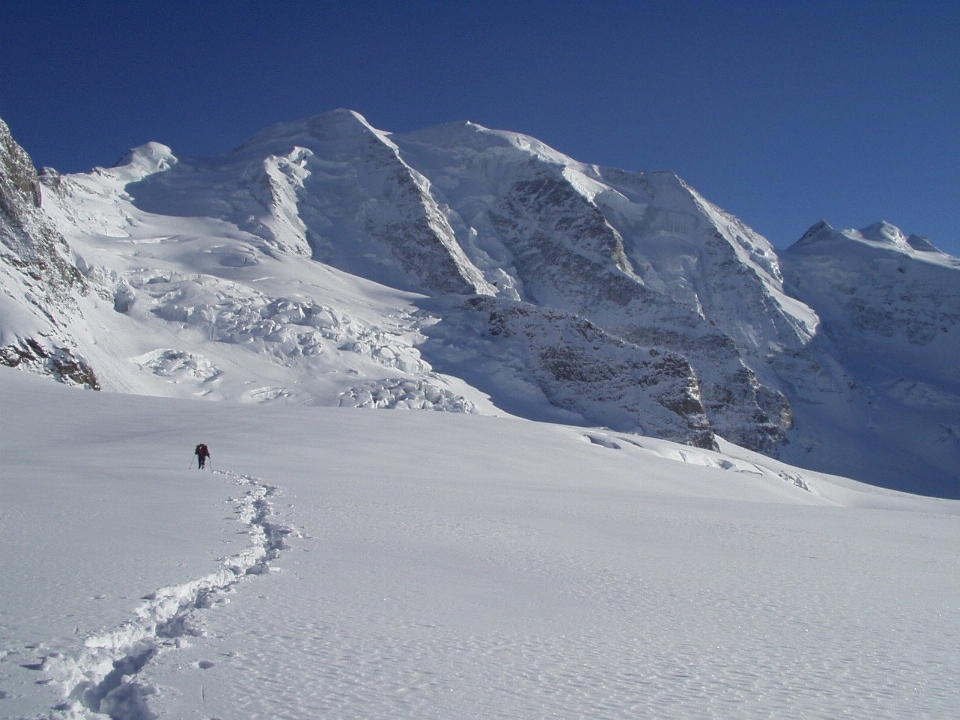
point(890, 311)
point(465, 269)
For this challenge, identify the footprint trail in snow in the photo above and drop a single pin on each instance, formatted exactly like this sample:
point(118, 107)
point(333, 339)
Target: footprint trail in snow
point(102, 677)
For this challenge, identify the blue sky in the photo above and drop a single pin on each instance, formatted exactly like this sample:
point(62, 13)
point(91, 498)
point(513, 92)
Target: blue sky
point(782, 113)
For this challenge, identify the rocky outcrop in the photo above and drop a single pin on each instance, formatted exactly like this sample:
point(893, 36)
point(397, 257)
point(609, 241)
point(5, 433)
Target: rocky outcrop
point(39, 281)
point(596, 377)
point(57, 362)
point(30, 242)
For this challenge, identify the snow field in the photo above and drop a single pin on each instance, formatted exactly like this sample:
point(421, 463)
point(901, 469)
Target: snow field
point(542, 602)
point(105, 519)
point(455, 566)
point(101, 677)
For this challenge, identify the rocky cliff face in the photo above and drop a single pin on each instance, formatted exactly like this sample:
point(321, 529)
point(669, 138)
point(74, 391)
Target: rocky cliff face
point(538, 361)
point(640, 255)
point(39, 280)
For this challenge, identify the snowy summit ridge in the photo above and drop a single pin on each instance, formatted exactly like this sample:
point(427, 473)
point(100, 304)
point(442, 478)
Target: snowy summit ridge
point(327, 262)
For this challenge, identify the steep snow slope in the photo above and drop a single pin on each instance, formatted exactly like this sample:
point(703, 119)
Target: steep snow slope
point(197, 307)
point(352, 564)
point(890, 306)
point(331, 187)
point(651, 226)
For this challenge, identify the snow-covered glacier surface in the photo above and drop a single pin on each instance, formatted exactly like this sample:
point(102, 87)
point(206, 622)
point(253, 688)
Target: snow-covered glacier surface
point(352, 564)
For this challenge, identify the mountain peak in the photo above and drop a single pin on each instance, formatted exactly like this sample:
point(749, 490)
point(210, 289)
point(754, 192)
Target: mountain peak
point(883, 232)
point(617, 298)
point(147, 159)
point(334, 126)
point(821, 230)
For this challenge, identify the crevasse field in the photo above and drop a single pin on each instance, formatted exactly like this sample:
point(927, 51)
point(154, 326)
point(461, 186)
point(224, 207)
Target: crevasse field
point(349, 563)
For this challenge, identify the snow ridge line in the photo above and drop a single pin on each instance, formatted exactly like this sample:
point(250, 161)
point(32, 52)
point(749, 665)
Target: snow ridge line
point(101, 679)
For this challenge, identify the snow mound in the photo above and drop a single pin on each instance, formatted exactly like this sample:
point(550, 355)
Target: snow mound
point(178, 366)
point(147, 159)
point(266, 394)
point(403, 393)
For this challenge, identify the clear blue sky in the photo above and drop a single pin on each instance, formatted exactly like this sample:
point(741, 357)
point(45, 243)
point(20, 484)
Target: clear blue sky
point(782, 113)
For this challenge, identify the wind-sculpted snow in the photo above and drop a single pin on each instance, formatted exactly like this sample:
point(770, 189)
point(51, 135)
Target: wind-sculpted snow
point(178, 365)
point(297, 333)
point(236, 314)
point(403, 393)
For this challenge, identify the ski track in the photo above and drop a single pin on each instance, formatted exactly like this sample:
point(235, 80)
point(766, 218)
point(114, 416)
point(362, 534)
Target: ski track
point(102, 678)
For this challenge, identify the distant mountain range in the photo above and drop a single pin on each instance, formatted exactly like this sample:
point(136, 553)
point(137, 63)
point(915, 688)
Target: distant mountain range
point(464, 269)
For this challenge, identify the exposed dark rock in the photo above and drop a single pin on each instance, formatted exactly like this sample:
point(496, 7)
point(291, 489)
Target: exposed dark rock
point(58, 362)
